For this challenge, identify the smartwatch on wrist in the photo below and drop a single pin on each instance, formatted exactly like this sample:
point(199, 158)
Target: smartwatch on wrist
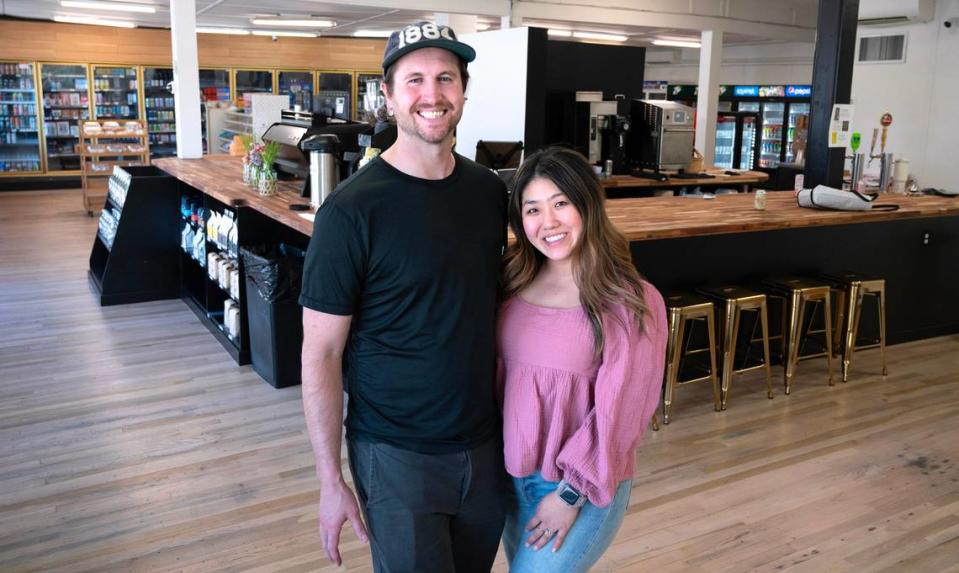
point(569, 495)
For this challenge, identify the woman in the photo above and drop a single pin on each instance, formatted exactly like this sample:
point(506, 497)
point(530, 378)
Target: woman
point(581, 341)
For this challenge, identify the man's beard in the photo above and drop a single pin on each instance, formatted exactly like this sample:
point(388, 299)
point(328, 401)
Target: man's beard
point(409, 126)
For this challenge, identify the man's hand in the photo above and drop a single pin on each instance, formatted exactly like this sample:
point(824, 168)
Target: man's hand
point(337, 505)
point(553, 517)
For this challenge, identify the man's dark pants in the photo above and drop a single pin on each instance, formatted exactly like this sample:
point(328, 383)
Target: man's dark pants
point(432, 513)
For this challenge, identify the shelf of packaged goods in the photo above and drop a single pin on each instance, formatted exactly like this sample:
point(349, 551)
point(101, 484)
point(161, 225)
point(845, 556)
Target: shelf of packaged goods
point(108, 153)
point(115, 135)
point(64, 107)
point(163, 131)
point(20, 144)
point(239, 116)
point(18, 102)
point(113, 90)
point(17, 90)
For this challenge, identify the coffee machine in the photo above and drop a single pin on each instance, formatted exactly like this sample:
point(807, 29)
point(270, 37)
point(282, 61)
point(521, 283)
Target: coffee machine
point(601, 129)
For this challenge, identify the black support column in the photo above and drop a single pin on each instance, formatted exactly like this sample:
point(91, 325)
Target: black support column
point(831, 83)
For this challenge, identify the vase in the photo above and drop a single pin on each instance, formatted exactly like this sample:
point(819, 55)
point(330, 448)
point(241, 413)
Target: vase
point(247, 172)
point(266, 184)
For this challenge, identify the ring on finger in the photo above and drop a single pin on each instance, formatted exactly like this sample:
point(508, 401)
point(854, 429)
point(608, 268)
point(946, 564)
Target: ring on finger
point(548, 531)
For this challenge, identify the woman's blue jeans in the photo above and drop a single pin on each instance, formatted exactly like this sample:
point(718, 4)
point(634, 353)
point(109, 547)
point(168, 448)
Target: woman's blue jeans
point(590, 536)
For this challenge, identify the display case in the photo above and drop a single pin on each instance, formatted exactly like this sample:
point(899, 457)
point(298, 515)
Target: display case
point(66, 103)
point(134, 256)
point(368, 95)
point(252, 81)
point(115, 93)
point(19, 123)
point(334, 94)
point(298, 85)
point(160, 114)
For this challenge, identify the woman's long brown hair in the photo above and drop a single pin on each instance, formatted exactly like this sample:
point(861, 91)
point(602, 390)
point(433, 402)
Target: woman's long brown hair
point(602, 265)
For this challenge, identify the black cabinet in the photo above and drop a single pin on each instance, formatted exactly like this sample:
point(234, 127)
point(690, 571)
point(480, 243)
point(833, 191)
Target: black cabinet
point(134, 256)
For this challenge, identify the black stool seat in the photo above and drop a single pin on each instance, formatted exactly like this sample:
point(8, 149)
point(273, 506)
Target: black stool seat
point(729, 292)
point(793, 283)
point(847, 277)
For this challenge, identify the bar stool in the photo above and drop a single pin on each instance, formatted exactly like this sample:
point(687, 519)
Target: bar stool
point(683, 308)
point(850, 289)
point(796, 293)
point(734, 300)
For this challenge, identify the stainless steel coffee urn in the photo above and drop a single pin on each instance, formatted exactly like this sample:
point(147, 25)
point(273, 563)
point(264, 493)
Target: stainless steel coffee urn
point(324, 166)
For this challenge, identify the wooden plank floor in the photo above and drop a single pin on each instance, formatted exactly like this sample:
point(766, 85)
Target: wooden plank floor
point(129, 441)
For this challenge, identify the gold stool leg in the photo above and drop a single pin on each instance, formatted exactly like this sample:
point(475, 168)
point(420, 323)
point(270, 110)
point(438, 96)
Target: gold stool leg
point(655, 423)
point(765, 323)
point(882, 327)
point(853, 308)
point(677, 324)
point(713, 378)
point(729, 344)
point(839, 320)
point(795, 322)
point(828, 318)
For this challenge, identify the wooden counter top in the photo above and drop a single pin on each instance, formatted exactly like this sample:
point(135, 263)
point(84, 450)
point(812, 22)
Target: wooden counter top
point(641, 219)
point(719, 179)
point(221, 177)
point(670, 217)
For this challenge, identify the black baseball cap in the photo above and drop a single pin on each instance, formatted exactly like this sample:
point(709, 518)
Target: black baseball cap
point(425, 35)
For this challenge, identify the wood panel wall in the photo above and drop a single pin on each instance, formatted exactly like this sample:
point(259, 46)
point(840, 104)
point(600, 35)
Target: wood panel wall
point(54, 42)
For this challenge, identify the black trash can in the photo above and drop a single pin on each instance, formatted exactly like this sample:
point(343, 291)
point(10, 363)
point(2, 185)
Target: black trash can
point(274, 317)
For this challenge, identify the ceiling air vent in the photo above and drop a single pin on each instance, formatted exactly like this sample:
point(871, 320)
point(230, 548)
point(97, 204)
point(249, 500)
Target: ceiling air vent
point(886, 49)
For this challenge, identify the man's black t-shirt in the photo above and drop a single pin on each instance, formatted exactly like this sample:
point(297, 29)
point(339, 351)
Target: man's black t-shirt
point(415, 262)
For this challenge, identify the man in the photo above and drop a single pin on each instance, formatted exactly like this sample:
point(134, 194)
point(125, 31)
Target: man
point(399, 297)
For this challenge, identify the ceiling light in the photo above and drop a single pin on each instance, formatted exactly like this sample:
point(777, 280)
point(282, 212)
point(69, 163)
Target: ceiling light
point(677, 43)
point(309, 23)
point(93, 21)
point(481, 27)
point(284, 33)
point(598, 36)
point(372, 34)
point(113, 6)
point(234, 31)
point(559, 33)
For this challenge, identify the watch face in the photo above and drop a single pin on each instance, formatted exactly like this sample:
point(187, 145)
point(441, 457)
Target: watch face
point(569, 496)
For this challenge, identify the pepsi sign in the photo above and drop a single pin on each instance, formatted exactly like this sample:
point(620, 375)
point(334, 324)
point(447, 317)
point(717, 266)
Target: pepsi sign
point(798, 91)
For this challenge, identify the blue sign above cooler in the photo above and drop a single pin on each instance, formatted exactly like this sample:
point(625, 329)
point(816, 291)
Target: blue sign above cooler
point(746, 91)
point(798, 91)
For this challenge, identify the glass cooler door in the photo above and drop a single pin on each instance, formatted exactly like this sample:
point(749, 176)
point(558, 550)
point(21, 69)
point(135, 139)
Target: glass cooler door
point(725, 140)
point(299, 86)
point(161, 118)
point(796, 110)
point(66, 102)
point(368, 95)
point(772, 134)
point(253, 81)
point(115, 93)
point(19, 126)
point(747, 149)
point(214, 87)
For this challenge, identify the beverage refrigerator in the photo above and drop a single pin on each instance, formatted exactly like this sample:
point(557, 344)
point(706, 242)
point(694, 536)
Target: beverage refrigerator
point(19, 126)
point(756, 125)
point(161, 115)
point(779, 109)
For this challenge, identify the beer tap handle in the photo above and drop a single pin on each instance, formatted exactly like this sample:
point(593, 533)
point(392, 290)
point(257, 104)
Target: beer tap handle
point(882, 146)
point(872, 145)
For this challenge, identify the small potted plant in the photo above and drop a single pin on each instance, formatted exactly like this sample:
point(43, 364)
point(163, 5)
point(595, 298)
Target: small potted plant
point(267, 180)
point(247, 144)
point(256, 163)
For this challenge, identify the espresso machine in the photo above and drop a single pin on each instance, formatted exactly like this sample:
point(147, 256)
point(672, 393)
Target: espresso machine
point(600, 130)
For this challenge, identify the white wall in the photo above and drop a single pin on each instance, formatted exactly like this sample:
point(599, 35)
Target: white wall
point(767, 63)
point(496, 96)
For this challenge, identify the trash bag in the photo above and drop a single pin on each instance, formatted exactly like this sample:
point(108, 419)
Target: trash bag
point(275, 270)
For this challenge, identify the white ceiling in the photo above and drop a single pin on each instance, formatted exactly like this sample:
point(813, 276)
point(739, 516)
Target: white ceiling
point(742, 21)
